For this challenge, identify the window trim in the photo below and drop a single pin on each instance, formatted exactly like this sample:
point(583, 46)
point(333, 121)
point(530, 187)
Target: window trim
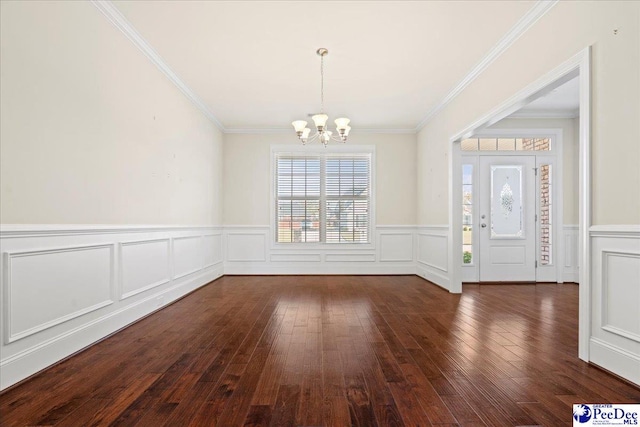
point(331, 149)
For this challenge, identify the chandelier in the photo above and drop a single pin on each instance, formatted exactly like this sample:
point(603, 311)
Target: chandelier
point(323, 134)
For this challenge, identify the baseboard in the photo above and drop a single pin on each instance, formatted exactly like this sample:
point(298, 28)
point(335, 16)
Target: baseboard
point(433, 275)
point(321, 269)
point(47, 353)
point(615, 359)
point(570, 276)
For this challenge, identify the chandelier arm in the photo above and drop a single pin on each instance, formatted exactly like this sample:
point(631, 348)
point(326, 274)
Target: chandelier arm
point(314, 137)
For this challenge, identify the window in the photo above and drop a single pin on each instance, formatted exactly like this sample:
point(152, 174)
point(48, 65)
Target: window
point(546, 221)
point(323, 197)
point(506, 144)
point(467, 214)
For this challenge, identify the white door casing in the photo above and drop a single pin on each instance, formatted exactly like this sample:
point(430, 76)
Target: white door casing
point(507, 231)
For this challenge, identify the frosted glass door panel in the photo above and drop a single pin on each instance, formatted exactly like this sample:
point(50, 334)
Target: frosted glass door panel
point(506, 202)
point(506, 229)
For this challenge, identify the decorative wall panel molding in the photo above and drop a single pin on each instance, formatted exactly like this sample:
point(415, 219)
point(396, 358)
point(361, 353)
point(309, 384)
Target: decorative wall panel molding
point(250, 251)
point(37, 284)
point(433, 247)
point(247, 244)
point(333, 257)
point(62, 285)
point(432, 254)
point(618, 230)
point(396, 246)
point(212, 249)
point(115, 275)
point(20, 231)
point(296, 258)
point(188, 255)
point(144, 264)
point(620, 303)
point(615, 299)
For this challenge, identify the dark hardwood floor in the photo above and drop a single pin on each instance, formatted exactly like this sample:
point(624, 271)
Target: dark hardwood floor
point(330, 351)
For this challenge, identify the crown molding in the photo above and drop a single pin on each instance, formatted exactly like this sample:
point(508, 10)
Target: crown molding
point(531, 17)
point(565, 113)
point(111, 12)
point(385, 131)
point(263, 131)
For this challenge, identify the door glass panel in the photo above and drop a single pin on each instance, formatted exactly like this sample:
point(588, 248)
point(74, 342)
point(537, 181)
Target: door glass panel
point(506, 202)
point(546, 220)
point(467, 214)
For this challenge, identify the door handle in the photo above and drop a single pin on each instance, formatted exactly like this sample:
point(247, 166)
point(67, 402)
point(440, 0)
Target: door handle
point(483, 225)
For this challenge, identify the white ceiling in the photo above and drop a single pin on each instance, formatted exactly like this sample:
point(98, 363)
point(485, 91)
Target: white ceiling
point(562, 101)
point(254, 66)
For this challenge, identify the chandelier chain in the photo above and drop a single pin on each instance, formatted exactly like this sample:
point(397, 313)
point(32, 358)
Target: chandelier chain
point(322, 83)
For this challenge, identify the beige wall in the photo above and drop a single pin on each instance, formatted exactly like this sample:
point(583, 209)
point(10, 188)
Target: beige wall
point(92, 132)
point(247, 177)
point(565, 30)
point(569, 157)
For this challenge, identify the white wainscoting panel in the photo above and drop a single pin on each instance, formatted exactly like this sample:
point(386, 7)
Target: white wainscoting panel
point(615, 300)
point(251, 251)
point(396, 246)
point(212, 249)
point(286, 257)
point(87, 282)
point(333, 257)
point(620, 299)
point(570, 259)
point(432, 254)
point(247, 245)
point(38, 285)
point(61, 285)
point(188, 256)
point(143, 266)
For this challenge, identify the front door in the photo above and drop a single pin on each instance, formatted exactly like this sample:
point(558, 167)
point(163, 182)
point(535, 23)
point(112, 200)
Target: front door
point(507, 218)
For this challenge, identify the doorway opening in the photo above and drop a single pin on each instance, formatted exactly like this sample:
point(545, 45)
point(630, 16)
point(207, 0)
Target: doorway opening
point(576, 67)
point(511, 210)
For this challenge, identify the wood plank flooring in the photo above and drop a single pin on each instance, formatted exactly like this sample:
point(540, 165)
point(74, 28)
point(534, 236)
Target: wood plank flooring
point(330, 351)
